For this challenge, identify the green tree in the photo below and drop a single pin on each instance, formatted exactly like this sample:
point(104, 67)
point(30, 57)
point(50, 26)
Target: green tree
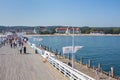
point(85, 30)
point(116, 30)
point(53, 31)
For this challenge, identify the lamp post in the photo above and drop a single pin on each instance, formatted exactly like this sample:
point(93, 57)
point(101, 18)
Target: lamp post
point(72, 54)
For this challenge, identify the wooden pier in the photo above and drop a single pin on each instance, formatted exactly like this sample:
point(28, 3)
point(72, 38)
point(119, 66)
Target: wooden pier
point(29, 66)
point(87, 70)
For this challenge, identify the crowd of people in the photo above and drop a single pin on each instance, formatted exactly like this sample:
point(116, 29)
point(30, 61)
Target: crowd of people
point(15, 42)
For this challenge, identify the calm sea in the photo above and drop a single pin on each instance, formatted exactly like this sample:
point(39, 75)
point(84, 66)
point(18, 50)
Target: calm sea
point(99, 49)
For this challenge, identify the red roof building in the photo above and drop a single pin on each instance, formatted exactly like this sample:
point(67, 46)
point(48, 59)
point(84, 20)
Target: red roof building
point(67, 30)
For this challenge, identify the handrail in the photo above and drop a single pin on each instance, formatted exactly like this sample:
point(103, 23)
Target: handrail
point(68, 70)
point(64, 68)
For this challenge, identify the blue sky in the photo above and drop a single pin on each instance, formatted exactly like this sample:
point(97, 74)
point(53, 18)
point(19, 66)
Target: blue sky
point(94, 13)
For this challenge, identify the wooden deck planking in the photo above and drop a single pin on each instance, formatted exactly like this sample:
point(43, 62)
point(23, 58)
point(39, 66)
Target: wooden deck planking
point(15, 66)
point(88, 71)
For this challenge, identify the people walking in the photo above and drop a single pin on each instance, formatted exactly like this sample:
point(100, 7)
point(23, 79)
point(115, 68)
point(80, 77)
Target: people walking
point(24, 49)
point(21, 50)
point(11, 45)
point(97, 74)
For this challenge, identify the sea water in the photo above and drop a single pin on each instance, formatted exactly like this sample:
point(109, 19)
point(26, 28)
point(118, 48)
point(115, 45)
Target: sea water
point(99, 49)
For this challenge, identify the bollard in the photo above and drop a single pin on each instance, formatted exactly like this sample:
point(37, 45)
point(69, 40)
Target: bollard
point(63, 55)
point(109, 73)
point(81, 60)
point(69, 56)
point(75, 58)
point(99, 67)
point(60, 54)
point(86, 66)
point(50, 49)
point(36, 51)
point(45, 47)
point(89, 63)
point(112, 71)
point(93, 68)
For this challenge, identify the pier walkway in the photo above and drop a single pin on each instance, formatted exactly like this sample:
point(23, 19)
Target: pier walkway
point(29, 66)
point(88, 71)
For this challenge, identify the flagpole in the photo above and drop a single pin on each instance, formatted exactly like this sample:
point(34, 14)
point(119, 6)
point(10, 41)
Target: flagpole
point(73, 46)
point(74, 49)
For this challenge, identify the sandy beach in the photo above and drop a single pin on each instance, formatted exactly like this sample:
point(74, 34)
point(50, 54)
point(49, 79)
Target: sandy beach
point(72, 34)
point(30, 35)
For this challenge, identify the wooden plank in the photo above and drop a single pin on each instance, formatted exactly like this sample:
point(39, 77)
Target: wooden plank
point(30, 66)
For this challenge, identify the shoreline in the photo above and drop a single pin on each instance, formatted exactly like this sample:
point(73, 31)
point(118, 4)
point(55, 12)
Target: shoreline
point(29, 35)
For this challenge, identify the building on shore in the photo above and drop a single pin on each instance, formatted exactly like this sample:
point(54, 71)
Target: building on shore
point(66, 30)
point(97, 32)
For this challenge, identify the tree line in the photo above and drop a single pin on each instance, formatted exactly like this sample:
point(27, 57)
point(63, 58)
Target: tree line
point(51, 29)
point(105, 30)
point(88, 30)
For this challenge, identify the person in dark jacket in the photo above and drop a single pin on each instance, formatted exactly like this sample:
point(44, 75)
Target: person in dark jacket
point(24, 49)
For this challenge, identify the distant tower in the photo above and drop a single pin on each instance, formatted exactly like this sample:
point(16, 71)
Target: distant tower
point(67, 31)
point(34, 31)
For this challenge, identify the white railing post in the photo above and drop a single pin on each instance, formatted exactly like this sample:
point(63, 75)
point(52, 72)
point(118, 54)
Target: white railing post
point(59, 68)
point(64, 72)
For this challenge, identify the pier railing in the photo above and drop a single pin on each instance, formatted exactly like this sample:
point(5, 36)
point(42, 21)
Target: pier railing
point(69, 71)
point(62, 67)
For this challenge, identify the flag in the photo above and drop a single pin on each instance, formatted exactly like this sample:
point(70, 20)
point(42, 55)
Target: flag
point(68, 49)
point(37, 39)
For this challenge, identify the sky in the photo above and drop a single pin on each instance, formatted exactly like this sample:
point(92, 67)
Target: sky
point(93, 13)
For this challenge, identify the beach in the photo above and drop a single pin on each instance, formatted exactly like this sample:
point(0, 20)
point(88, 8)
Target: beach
point(30, 35)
